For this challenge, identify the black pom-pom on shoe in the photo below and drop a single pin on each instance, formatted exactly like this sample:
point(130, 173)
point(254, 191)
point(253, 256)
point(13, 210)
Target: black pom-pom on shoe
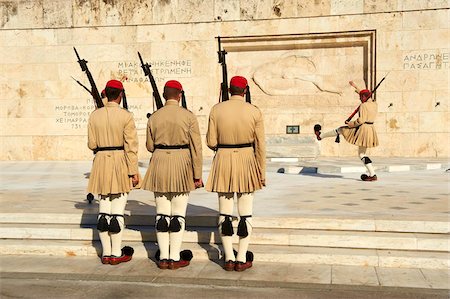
point(186, 255)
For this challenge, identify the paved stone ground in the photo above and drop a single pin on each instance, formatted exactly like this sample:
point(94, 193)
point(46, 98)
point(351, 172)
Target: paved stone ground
point(59, 187)
point(58, 277)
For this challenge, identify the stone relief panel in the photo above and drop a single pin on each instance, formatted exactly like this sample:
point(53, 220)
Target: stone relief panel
point(304, 74)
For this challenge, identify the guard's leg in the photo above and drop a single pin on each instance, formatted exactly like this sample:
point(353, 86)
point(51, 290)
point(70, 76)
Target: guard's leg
point(226, 204)
point(103, 227)
point(163, 211)
point(176, 228)
point(117, 223)
point(368, 164)
point(332, 133)
point(245, 208)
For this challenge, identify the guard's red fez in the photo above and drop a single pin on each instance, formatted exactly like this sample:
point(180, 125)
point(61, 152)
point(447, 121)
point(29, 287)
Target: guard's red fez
point(174, 84)
point(238, 81)
point(365, 94)
point(115, 84)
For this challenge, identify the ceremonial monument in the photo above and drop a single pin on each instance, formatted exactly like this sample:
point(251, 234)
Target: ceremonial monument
point(315, 223)
point(298, 55)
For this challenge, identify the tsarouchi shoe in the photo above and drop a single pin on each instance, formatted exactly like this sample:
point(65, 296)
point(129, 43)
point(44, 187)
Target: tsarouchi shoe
point(114, 260)
point(175, 265)
point(229, 266)
point(367, 178)
point(240, 266)
point(163, 264)
point(106, 259)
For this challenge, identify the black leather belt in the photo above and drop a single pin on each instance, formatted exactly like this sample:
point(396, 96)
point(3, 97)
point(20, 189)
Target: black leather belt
point(368, 123)
point(108, 148)
point(235, 145)
point(161, 146)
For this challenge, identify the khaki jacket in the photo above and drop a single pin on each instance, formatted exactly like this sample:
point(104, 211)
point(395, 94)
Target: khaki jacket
point(362, 132)
point(112, 126)
point(173, 170)
point(239, 169)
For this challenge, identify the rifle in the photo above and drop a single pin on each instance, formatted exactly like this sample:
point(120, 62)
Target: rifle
point(147, 72)
point(224, 85)
point(357, 91)
point(94, 91)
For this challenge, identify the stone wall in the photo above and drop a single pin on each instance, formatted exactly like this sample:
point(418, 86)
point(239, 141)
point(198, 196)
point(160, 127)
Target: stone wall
point(301, 82)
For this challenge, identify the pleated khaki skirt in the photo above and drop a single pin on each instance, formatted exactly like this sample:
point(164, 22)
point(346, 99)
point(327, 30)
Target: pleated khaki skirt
point(364, 135)
point(109, 174)
point(169, 171)
point(234, 170)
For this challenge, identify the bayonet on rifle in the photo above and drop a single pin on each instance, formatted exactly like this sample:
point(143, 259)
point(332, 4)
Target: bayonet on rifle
point(147, 72)
point(94, 91)
point(222, 60)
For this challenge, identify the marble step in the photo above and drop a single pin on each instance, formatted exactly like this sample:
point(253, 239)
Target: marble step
point(263, 253)
point(307, 222)
point(263, 236)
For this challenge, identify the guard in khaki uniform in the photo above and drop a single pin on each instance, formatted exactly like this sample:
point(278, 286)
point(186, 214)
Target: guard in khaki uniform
point(113, 138)
point(360, 132)
point(175, 169)
point(236, 133)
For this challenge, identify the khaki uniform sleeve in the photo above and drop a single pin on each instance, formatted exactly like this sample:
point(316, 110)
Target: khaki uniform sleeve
point(361, 119)
point(92, 141)
point(150, 144)
point(211, 135)
point(131, 145)
point(260, 145)
point(195, 146)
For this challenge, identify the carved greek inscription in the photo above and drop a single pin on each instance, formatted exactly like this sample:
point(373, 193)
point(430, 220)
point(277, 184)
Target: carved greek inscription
point(131, 71)
point(76, 116)
point(433, 60)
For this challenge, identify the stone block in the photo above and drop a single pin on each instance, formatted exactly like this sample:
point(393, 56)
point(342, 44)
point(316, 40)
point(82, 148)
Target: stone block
point(425, 20)
point(226, 10)
point(195, 11)
point(291, 146)
point(399, 40)
point(284, 8)
point(433, 80)
point(352, 275)
point(254, 10)
point(371, 6)
point(382, 22)
point(343, 7)
point(86, 13)
point(435, 39)
point(313, 8)
point(416, 101)
point(413, 5)
point(402, 122)
point(22, 14)
point(324, 24)
point(57, 13)
point(16, 148)
point(434, 122)
point(402, 278)
point(390, 60)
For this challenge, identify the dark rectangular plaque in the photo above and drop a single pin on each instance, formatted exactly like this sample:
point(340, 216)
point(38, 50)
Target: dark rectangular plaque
point(292, 129)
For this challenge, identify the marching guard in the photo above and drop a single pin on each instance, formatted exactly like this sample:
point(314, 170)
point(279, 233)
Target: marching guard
point(236, 133)
point(113, 138)
point(175, 169)
point(360, 132)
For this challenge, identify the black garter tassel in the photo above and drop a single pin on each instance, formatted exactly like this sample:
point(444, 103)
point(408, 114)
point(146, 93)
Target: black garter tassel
point(227, 226)
point(102, 224)
point(161, 224)
point(114, 226)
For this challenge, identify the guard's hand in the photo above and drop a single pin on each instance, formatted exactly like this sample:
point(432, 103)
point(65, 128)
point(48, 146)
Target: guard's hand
point(198, 183)
point(135, 180)
point(346, 122)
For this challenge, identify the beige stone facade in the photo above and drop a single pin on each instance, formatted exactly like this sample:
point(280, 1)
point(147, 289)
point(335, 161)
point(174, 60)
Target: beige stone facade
point(298, 55)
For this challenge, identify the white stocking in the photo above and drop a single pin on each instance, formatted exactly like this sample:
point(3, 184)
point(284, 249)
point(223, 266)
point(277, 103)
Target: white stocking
point(179, 203)
point(118, 204)
point(245, 208)
point(226, 204)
